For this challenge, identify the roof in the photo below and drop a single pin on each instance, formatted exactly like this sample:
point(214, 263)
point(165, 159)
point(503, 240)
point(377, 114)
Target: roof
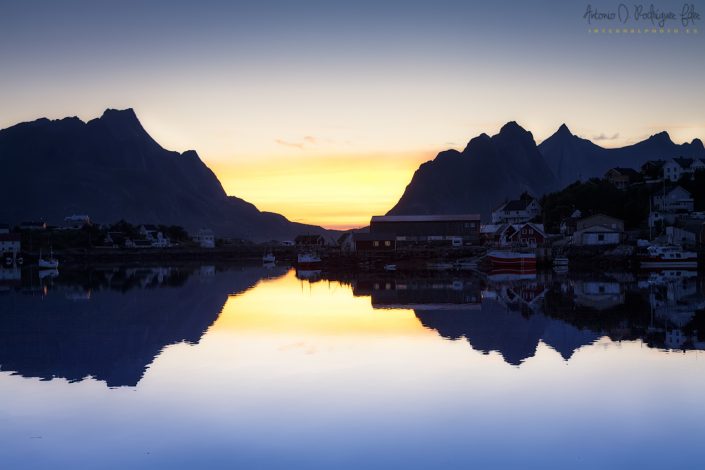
point(9, 237)
point(311, 238)
point(683, 162)
point(516, 205)
point(605, 219)
point(677, 189)
point(625, 171)
point(426, 218)
point(368, 237)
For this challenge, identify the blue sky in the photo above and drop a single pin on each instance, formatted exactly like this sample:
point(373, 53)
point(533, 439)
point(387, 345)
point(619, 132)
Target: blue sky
point(314, 89)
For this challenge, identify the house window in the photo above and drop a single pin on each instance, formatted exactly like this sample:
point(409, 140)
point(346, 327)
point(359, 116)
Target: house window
point(375, 243)
point(387, 243)
point(601, 237)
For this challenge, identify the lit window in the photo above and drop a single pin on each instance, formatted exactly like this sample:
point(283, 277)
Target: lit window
point(375, 243)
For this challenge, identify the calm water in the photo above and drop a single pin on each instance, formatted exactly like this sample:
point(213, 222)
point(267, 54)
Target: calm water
point(256, 368)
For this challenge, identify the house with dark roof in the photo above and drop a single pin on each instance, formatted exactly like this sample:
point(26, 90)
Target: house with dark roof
point(516, 211)
point(309, 240)
point(598, 229)
point(679, 167)
point(622, 178)
point(374, 241)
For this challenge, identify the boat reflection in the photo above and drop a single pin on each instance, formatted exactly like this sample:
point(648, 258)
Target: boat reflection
point(512, 312)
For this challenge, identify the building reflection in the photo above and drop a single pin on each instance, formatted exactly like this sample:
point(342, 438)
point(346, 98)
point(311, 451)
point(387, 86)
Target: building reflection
point(511, 313)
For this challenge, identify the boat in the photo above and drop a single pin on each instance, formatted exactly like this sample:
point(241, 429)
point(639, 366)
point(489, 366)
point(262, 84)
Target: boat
point(466, 264)
point(308, 260)
point(49, 263)
point(560, 261)
point(269, 258)
point(390, 267)
point(511, 258)
point(669, 256)
point(441, 266)
point(48, 273)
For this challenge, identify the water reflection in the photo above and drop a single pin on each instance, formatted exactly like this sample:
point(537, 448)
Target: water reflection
point(110, 323)
point(513, 312)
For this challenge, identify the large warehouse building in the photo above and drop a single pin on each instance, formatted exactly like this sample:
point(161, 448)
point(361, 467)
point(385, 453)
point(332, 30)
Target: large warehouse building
point(453, 230)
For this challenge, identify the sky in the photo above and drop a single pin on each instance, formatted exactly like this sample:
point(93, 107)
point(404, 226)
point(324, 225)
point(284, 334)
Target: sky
point(322, 110)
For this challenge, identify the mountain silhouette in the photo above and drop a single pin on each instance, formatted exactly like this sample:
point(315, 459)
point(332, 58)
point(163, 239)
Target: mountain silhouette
point(573, 158)
point(488, 171)
point(116, 334)
point(110, 168)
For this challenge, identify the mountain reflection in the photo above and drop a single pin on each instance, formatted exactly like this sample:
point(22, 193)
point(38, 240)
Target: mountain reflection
point(110, 324)
point(511, 313)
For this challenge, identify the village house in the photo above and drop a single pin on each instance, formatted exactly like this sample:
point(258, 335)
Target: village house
point(205, 238)
point(675, 200)
point(517, 211)
point(374, 242)
point(681, 236)
point(10, 246)
point(570, 224)
point(76, 222)
point(514, 235)
point(151, 234)
point(115, 240)
point(33, 225)
point(598, 230)
point(309, 241)
point(676, 168)
point(452, 230)
point(652, 169)
point(622, 178)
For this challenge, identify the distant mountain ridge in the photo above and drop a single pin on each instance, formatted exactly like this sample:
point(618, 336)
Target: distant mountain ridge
point(491, 170)
point(110, 168)
point(573, 158)
point(485, 173)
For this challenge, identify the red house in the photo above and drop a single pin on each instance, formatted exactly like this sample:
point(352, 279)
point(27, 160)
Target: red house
point(528, 234)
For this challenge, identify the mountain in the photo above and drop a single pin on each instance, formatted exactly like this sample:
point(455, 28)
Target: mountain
point(488, 171)
point(572, 158)
point(110, 168)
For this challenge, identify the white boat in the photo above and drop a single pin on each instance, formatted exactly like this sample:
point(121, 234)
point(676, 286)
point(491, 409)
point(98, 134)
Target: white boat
point(466, 264)
point(269, 258)
point(48, 273)
point(49, 263)
point(308, 260)
point(560, 261)
point(502, 258)
point(668, 256)
point(440, 266)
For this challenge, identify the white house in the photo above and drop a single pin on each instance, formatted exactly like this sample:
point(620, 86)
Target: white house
point(10, 245)
point(676, 168)
point(675, 200)
point(679, 236)
point(155, 238)
point(205, 238)
point(598, 230)
point(517, 211)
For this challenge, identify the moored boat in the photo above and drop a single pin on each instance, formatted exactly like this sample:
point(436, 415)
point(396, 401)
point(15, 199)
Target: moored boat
point(669, 256)
point(308, 260)
point(48, 263)
point(511, 258)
